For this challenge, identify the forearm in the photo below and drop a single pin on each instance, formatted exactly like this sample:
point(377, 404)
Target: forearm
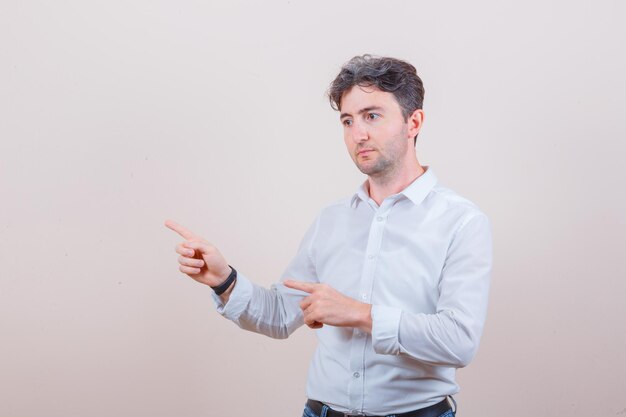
point(438, 339)
point(441, 338)
point(261, 310)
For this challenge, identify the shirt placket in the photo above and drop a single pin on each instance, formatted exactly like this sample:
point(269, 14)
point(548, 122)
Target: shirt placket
point(356, 389)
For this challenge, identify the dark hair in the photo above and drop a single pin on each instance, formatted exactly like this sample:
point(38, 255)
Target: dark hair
point(387, 74)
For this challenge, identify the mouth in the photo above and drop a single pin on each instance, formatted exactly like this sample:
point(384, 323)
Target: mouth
point(364, 152)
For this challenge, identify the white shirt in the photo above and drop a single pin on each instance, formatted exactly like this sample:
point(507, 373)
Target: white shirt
point(422, 259)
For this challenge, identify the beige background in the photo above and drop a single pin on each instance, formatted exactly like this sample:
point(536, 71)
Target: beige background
point(116, 115)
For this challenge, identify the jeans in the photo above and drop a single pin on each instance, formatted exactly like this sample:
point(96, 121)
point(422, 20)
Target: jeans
point(309, 413)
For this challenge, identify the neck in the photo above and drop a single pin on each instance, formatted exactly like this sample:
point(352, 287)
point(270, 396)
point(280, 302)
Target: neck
point(381, 187)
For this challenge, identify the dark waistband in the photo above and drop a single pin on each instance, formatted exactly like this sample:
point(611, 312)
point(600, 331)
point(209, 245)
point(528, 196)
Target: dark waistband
point(434, 410)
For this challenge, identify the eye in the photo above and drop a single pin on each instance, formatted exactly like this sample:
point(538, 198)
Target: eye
point(347, 122)
point(373, 116)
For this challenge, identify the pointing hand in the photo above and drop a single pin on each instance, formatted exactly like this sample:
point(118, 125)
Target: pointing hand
point(198, 258)
point(326, 305)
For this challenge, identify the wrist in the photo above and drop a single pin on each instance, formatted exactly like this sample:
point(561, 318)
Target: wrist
point(225, 296)
point(365, 318)
point(226, 283)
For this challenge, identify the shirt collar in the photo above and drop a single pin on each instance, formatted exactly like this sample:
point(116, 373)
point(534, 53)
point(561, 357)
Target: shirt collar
point(416, 191)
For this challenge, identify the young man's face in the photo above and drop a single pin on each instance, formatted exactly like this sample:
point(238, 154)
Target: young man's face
point(376, 134)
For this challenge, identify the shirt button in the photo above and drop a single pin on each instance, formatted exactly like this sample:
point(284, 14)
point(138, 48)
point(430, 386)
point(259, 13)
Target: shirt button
point(379, 218)
point(364, 296)
point(356, 375)
point(370, 256)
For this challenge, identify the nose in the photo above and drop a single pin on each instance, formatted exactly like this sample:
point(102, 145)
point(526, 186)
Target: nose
point(359, 132)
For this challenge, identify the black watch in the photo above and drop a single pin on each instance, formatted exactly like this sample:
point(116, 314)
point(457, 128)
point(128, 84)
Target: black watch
point(220, 289)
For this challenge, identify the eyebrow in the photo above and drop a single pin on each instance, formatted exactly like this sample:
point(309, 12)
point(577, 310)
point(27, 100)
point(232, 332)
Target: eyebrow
point(363, 110)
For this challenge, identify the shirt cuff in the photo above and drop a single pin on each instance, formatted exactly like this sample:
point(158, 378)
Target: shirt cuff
point(237, 301)
point(385, 327)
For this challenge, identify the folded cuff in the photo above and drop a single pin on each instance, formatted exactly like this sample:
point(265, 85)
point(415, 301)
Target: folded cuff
point(385, 327)
point(237, 301)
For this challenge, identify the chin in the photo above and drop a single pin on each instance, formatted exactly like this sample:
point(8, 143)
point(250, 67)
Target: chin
point(368, 170)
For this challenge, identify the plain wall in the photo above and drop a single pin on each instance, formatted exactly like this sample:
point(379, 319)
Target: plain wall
point(116, 115)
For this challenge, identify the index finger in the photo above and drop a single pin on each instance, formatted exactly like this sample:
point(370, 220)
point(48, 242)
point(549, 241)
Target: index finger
point(184, 232)
point(299, 285)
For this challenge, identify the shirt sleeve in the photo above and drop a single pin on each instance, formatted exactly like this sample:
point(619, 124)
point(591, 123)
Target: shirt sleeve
point(274, 312)
point(450, 337)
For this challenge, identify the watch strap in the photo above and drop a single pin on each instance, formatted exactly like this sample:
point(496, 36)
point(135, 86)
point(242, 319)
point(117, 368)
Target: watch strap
point(220, 289)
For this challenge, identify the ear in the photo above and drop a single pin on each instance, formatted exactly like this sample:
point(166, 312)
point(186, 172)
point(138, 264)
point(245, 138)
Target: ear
point(415, 122)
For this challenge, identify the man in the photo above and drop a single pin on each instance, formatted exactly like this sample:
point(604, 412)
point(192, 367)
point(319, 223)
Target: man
point(395, 278)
